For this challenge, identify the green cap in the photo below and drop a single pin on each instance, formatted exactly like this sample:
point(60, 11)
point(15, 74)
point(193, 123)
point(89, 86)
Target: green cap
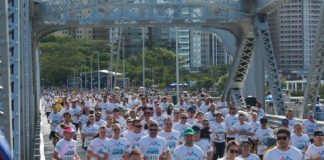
point(189, 131)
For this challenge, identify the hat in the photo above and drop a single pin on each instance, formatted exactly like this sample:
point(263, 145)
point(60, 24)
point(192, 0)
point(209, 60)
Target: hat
point(176, 110)
point(285, 122)
point(318, 133)
point(196, 129)
point(310, 113)
point(116, 110)
point(69, 130)
point(189, 131)
point(192, 110)
point(263, 120)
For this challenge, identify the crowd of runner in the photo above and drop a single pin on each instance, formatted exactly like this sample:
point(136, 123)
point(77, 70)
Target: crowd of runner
point(135, 126)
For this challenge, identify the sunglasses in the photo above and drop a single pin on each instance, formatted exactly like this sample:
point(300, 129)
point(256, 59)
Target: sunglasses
point(116, 129)
point(184, 117)
point(139, 126)
point(233, 151)
point(154, 130)
point(282, 138)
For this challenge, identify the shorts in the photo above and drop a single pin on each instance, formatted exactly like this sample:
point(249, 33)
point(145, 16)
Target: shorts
point(53, 134)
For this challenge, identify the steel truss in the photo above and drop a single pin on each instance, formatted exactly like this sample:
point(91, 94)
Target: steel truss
point(317, 68)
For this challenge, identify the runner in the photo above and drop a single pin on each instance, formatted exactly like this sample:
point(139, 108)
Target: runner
point(171, 136)
point(134, 137)
point(54, 119)
point(117, 146)
point(153, 146)
point(300, 140)
point(89, 130)
point(315, 151)
point(218, 136)
point(246, 151)
point(232, 151)
point(262, 135)
point(189, 150)
point(96, 149)
point(283, 150)
point(310, 125)
point(66, 147)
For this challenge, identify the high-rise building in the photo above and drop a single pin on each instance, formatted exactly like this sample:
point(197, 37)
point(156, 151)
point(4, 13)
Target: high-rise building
point(293, 29)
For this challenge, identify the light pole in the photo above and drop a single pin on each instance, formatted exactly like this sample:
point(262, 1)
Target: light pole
point(98, 81)
point(123, 63)
point(143, 48)
point(91, 74)
point(177, 65)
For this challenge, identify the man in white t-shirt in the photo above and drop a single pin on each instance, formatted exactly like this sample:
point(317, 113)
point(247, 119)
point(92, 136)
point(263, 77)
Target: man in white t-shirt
point(182, 125)
point(171, 136)
point(189, 150)
point(310, 125)
point(315, 151)
point(153, 146)
point(134, 136)
point(262, 135)
point(242, 129)
point(66, 147)
point(283, 150)
point(230, 120)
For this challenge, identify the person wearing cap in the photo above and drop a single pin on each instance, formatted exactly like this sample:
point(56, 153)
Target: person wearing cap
point(66, 147)
point(117, 146)
point(315, 151)
point(310, 125)
point(262, 136)
point(246, 151)
point(218, 136)
point(153, 146)
point(96, 149)
point(203, 143)
point(283, 150)
point(285, 124)
point(171, 136)
point(189, 150)
point(191, 113)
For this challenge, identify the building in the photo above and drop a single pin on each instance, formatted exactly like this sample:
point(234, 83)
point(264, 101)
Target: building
point(293, 28)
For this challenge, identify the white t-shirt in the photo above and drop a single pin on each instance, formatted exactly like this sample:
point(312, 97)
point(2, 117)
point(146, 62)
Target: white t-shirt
point(292, 123)
point(218, 132)
point(310, 127)
point(117, 148)
point(254, 127)
point(89, 132)
point(262, 135)
point(97, 146)
point(204, 145)
point(181, 128)
point(210, 117)
point(221, 105)
point(66, 149)
point(159, 120)
point(230, 121)
point(300, 142)
point(292, 154)
point(189, 153)
point(250, 157)
point(244, 128)
point(152, 148)
point(55, 119)
point(75, 112)
point(204, 107)
point(133, 138)
point(101, 123)
point(172, 138)
point(83, 119)
point(314, 151)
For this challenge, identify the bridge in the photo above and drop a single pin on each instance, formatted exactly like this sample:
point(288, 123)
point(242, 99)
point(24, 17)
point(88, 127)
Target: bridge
point(24, 22)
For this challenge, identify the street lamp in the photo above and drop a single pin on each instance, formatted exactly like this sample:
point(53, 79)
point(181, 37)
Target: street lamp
point(143, 48)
